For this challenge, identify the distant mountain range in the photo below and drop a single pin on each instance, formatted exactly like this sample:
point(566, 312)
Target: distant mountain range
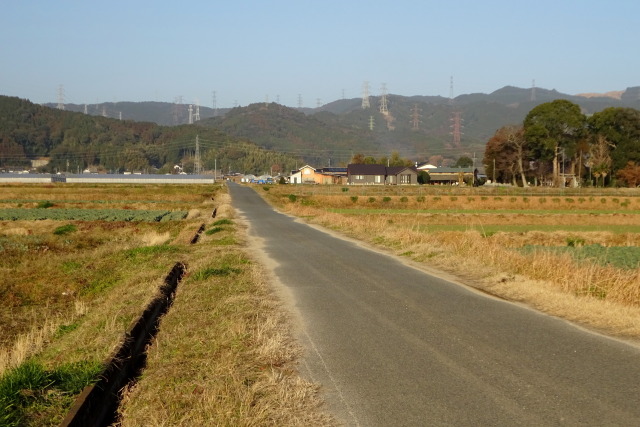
point(417, 127)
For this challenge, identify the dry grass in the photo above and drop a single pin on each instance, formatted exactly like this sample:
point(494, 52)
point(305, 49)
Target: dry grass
point(602, 297)
point(224, 354)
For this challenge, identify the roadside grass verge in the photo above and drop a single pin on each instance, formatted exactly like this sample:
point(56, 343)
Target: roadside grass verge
point(224, 354)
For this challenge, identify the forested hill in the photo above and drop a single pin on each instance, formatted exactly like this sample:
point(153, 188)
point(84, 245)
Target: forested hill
point(75, 141)
point(417, 127)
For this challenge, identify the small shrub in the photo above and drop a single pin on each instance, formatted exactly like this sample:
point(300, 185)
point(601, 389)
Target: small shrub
point(420, 199)
point(44, 205)
point(224, 221)
point(615, 200)
point(65, 229)
point(266, 188)
point(569, 200)
point(575, 242)
point(603, 200)
point(354, 199)
point(404, 199)
point(581, 200)
point(513, 199)
point(437, 199)
point(386, 199)
point(292, 198)
point(497, 198)
point(453, 198)
point(542, 200)
point(372, 199)
point(484, 198)
point(525, 199)
point(345, 189)
point(555, 199)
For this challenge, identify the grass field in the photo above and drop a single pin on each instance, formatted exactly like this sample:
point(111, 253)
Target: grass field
point(572, 253)
point(71, 288)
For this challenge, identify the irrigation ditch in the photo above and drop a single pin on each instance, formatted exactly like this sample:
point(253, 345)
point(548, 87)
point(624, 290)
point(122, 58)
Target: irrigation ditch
point(98, 404)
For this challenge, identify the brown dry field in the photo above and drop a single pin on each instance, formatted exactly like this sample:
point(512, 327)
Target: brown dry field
point(476, 237)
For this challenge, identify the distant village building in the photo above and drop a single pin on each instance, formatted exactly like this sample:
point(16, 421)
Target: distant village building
point(381, 175)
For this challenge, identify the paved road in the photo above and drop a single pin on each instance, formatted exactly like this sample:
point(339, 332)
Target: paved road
point(394, 346)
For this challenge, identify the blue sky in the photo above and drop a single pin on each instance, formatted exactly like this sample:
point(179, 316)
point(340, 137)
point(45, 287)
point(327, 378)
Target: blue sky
point(248, 51)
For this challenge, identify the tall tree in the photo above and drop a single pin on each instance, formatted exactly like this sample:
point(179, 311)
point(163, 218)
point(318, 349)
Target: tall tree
point(621, 127)
point(553, 129)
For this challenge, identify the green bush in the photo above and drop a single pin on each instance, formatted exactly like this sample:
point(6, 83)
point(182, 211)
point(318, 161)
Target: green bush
point(44, 205)
point(372, 199)
point(292, 198)
point(404, 199)
point(354, 199)
point(420, 199)
point(65, 229)
point(345, 189)
point(386, 199)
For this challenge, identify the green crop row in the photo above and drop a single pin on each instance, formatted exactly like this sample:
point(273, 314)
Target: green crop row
point(91, 215)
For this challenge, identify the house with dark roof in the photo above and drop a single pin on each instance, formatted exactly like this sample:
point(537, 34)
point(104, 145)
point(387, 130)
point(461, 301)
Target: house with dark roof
point(361, 174)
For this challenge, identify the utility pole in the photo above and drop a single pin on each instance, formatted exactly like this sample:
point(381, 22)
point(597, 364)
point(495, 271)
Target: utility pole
point(197, 156)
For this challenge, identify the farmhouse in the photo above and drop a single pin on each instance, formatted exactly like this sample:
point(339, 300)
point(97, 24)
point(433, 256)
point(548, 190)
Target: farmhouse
point(381, 175)
point(310, 175)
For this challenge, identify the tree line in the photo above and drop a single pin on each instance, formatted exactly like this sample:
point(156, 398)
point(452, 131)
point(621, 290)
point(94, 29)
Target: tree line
point(558, 145)
point(73, 142)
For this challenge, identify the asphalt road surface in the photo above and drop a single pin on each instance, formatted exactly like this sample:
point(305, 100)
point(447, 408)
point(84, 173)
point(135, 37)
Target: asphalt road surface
point(393, 346)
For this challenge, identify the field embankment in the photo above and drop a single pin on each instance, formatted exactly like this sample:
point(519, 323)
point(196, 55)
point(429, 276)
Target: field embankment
point(574, 254)
point(73, 287)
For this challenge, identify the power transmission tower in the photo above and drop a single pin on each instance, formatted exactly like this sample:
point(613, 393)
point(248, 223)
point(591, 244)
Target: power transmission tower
point(85, 109)
point(299, 101)
point(214, 103)
point(190, 114)
point(371, 122)
point(197, 157)
point(60, 97)
point(196, 117)
point(533, 90)
point(383, 99)
point(365, 96)
point(415, 117)
point(318, 103)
